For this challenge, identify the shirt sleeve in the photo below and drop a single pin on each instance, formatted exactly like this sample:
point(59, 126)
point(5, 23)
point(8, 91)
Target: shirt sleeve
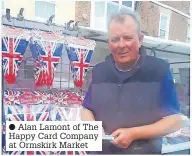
point(168, 96)
point(87, 100)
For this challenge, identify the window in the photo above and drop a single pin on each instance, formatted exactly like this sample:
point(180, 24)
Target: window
point(127, 3)
point(188, 34)
point(2, 5)
point(163, 26)
point(115, 1)
point(111, 9)
point(99, 15)
point(103, 10)
point(44, 10)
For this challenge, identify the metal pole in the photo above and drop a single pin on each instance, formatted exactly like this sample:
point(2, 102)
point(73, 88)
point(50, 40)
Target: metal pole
point(61, 70)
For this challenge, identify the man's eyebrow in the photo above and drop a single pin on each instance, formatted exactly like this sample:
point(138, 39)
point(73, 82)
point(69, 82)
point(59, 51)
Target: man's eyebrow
point(128, 36)
point(125, 35)
point(114, 36)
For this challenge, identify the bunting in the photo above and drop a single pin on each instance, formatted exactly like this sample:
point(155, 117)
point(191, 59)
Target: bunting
point(80, 58)
point(13, 49)
point(46, 49)
point(47, 55)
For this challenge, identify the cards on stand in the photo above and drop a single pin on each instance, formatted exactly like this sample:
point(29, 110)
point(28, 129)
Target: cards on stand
point(108, 137)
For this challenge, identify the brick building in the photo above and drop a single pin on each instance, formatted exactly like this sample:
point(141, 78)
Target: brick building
point(166, 20)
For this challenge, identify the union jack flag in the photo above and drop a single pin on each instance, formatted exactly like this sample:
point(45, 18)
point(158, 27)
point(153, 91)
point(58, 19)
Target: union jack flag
point(17, 101)
point(72, 98)
point(44, 116)
point(79, 59)
point(47, 56)
point(27, 109)
point(57, 114)
point(54, 97)
point(65, 97)
point(13, 49)
point(22, 107)
point(11, 97)
point(46, 97)
point(11, 102)
point(65, 113)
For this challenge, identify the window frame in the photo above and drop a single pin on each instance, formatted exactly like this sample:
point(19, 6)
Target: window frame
point(3, 10)
point(167, 31)
point(41, 19)
point(92, 20)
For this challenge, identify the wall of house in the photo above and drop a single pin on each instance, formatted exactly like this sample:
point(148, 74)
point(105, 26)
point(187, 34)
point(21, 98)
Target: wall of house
point(83, 13)
point(183, 6)
point(28, 5)
point(64, 10)
point(150, 18)
point(178, 27)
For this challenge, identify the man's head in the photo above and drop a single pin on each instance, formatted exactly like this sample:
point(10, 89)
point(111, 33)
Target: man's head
point(124, 38)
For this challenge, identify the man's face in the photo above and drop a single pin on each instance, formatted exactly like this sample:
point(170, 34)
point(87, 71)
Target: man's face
point(124, 42)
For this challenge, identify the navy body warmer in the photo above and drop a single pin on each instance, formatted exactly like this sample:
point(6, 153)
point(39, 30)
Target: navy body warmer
point(132, 102)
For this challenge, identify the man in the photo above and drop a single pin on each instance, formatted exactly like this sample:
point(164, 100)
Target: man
point(131, 93)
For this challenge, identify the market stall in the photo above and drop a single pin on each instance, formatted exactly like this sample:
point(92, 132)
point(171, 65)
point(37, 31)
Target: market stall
point(64, 56)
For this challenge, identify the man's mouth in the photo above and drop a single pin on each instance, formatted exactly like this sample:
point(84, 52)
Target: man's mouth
point(123, 54)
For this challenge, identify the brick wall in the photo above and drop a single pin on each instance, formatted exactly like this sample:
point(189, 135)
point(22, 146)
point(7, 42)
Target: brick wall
point(178, 27)
point(183, 6)
point(150, 16)
point(83, 8)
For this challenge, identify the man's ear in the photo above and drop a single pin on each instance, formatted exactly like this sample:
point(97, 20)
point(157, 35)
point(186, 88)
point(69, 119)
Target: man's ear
point(107, 41)
point(141, 38)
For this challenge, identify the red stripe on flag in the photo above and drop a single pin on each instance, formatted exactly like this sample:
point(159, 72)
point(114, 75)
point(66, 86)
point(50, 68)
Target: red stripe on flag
point(70, 152)
point(45, 116)
point(16, 117)
point(30, 152)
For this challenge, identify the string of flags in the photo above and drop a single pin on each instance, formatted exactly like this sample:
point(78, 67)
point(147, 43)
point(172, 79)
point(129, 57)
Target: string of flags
point(14, 44)
point(15, 100)
point(53, 105)
point(46, 49)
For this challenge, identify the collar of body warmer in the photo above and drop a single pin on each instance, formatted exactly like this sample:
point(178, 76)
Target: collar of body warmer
point(110, 61)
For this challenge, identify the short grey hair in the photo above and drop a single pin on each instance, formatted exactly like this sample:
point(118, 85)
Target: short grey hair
point(121, 15)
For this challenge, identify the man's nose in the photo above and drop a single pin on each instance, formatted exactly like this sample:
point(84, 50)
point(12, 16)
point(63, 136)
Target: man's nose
point(122, 43)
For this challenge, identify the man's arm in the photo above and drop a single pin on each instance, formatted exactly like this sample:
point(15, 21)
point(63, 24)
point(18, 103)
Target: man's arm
point(161, 128)
point(87, 115)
